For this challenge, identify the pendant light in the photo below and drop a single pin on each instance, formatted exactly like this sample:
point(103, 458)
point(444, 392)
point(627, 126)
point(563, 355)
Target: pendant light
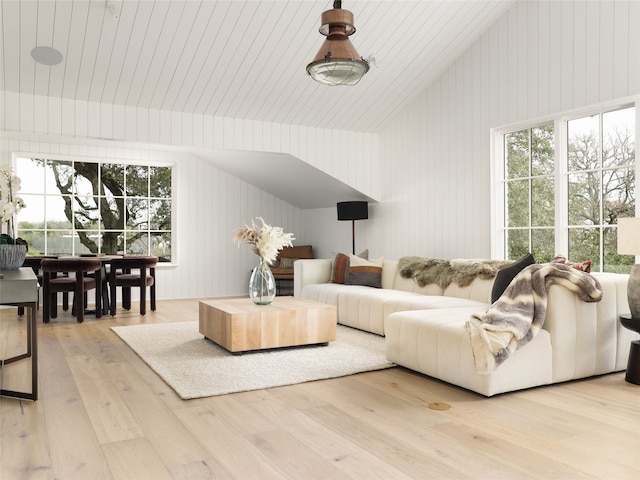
point(337, 61)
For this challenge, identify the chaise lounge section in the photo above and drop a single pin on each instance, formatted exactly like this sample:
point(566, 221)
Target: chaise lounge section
point(425, 327)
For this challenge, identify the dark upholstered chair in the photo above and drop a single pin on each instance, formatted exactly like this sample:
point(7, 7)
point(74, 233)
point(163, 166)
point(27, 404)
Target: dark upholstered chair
point(33, 261)
point(282, 268)
point(79, 283)
point(133, 272)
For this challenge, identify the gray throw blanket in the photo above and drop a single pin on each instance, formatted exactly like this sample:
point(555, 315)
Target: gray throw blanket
point(518, 315)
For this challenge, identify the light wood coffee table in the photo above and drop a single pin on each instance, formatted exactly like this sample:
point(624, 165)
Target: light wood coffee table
point(239, 325)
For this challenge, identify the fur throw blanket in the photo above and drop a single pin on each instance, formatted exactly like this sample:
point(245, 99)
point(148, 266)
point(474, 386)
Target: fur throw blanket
point(518, 315)
point(443, 272)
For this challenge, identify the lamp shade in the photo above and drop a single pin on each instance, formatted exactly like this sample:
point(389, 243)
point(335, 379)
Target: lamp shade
point(353, 210)
point(629, 236)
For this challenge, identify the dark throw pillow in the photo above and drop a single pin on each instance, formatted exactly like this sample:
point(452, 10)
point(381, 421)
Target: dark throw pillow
point(508, 273)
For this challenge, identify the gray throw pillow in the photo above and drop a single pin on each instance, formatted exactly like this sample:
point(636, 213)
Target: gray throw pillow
point(287, 263)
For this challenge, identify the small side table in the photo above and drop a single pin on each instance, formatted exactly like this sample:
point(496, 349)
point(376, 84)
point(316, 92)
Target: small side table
point(633, 364)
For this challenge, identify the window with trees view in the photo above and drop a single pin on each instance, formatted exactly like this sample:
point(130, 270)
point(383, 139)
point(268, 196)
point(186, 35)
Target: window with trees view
point(565, 196)
point(76, 207)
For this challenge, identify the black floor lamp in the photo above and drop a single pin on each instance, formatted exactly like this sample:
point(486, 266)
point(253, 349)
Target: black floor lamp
point(353, 211)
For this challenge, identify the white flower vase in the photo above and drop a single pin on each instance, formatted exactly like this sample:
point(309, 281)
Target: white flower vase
point(12, 256)
point(262, 285)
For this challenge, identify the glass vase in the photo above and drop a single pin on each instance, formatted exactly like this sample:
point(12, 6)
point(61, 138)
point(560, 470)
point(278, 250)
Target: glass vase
point(262, 285)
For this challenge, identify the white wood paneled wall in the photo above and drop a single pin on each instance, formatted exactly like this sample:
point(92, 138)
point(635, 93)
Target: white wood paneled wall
point(430, 167)
point(210, 202)
point(339, 153)
point(538, 59)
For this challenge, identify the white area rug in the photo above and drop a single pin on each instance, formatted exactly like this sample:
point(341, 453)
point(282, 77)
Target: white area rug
point(196, 367)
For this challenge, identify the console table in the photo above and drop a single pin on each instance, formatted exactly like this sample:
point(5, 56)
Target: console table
point(19, 288)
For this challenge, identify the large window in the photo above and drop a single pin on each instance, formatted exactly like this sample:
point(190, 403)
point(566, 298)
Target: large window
point(563, 185)
point(530, 192)
point(76, 207)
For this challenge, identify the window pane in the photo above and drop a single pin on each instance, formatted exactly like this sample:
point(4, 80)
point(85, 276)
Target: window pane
point(112, 242)
point(583, 134)
point(112, 180)
point(543, 244)
point(112, 213)
point(137, 243)
point(612, 261)
point(137, 213)
point(160, 182)
point(87, 241)
point(584, 244)
point(85, 212)
point(31, 173)
point(33, 214)
point(59, 242)
point(35, 240)
point(584, 198)
point(517, 244)
point(542, 202)
point(55, 208)
point(517, 154)
point(542, 150)
point(58, 176)
point(517, 203)
point(161, 246)
point(619, 194)
point(618, 138)
point(160, 215)
point(86, 178)
point(137, 181)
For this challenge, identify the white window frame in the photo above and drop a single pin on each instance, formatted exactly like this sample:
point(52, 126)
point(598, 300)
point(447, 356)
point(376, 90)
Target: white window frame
point(561, 230)
point(122, 161)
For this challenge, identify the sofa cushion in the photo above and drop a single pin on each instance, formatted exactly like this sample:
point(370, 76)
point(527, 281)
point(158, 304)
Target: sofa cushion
point(286, 263)
point(436, 343)
point(364, 272)
point(339, 268)
point(506, 274)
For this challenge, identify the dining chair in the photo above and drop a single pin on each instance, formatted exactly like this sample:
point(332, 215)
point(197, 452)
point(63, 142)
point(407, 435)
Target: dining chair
point(78, 284)
point(133, 272)
point(33, 261)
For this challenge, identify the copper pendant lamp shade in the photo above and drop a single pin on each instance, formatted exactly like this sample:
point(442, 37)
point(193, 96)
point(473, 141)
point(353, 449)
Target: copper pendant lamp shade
point(337, 61)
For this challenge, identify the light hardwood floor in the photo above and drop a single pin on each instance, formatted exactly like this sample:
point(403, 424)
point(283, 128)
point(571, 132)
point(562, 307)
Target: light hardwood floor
point(103, 414)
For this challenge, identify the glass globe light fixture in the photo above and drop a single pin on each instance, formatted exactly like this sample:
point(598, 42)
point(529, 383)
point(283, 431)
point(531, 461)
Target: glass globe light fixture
point(337, 61)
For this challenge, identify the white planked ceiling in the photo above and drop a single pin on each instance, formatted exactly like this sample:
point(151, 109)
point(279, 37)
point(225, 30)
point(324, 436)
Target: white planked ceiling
point(237, 59)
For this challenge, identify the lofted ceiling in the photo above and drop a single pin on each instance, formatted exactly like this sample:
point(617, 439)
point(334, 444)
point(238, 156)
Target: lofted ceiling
point(236, 59)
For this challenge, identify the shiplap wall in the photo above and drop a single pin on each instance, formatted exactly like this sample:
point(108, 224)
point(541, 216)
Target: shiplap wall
point(430, 167)
point(538, 59)
point(209, 205)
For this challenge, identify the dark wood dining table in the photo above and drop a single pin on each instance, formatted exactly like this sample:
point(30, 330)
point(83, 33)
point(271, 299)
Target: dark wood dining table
point(33, 261)
point(106, 260)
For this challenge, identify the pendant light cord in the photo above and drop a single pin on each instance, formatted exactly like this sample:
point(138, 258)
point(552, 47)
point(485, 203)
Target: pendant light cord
point(337, 3)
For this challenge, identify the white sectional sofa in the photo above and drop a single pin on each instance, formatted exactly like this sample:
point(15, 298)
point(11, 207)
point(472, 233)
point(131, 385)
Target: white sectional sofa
point(425, 327)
